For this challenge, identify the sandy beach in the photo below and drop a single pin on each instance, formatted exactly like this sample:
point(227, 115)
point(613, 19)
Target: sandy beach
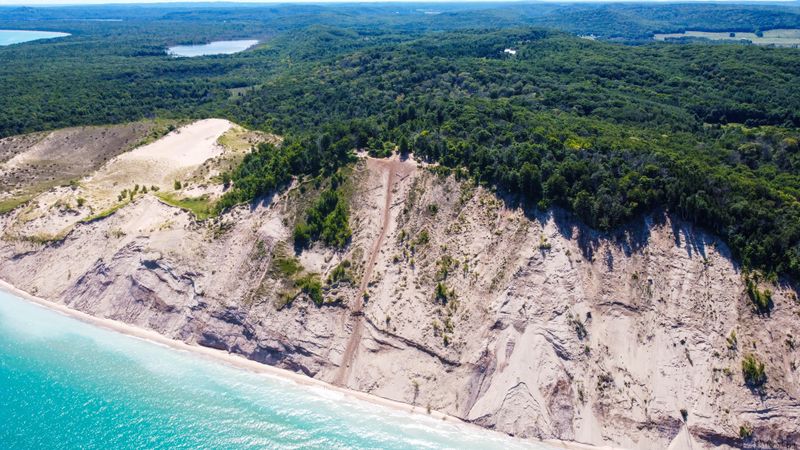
point(245, 364)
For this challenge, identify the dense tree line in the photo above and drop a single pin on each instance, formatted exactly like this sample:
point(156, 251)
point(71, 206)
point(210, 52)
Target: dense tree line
point(114, 68)
point(269, 168)
point(326, 221)
point(639, 21)
point(607, 131)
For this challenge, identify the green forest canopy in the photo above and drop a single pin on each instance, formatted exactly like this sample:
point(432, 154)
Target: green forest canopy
point(606, 130)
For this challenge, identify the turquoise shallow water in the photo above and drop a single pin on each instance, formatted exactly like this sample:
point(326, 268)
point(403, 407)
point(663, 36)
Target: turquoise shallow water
point(68, 384)
point(212, 48)
point(8, 37)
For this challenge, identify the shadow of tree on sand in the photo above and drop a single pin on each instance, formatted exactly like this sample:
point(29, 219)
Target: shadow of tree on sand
point(630, 238)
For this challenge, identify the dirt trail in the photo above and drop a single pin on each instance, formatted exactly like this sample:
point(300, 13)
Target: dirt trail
point(395, 167)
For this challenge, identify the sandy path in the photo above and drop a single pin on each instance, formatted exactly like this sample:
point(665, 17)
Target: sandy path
point(394, 167)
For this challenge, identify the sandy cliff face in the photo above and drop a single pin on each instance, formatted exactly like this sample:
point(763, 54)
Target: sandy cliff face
point(524, 322)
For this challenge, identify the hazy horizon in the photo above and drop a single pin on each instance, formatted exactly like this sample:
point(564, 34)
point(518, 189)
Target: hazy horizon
point(112, 2)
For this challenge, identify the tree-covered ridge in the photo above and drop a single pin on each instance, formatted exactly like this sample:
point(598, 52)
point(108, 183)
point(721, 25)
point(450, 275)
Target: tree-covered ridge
point(609, 132)
point(269, 168)
point(111, 72)
point(117, 71)
point(671, 86)
point(639, 21)
point(626, 21)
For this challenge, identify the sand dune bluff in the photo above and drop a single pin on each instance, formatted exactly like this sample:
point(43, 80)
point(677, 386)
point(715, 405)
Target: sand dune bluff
point(457, 300)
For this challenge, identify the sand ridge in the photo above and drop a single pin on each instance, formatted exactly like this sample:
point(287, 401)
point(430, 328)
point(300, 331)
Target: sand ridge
point(162, 162)
point(192, 152)
point(33, 163)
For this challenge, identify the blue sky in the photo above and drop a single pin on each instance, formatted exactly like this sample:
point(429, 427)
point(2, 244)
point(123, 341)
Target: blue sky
point(96, 2)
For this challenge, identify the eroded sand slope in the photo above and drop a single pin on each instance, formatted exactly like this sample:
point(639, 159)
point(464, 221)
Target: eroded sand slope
point(33, 162)
point(171, 158)
point(541, 328)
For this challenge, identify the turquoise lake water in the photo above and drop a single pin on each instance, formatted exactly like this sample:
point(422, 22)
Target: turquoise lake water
point(8, 37)
point(68, 384)
point(212, 48)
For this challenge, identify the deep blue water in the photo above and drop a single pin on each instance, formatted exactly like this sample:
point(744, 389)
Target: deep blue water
point(8, 37)
point(68, 384)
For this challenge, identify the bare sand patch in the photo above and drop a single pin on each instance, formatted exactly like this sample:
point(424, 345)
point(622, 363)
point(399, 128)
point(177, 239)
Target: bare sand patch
point(178, 156)
point(161, 163)
point(32, 163)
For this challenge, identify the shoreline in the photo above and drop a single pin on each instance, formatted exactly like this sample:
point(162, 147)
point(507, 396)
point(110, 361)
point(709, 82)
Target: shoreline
point(240, 362)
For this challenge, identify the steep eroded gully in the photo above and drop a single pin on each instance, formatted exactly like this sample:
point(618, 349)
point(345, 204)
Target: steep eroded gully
point(393, 168)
